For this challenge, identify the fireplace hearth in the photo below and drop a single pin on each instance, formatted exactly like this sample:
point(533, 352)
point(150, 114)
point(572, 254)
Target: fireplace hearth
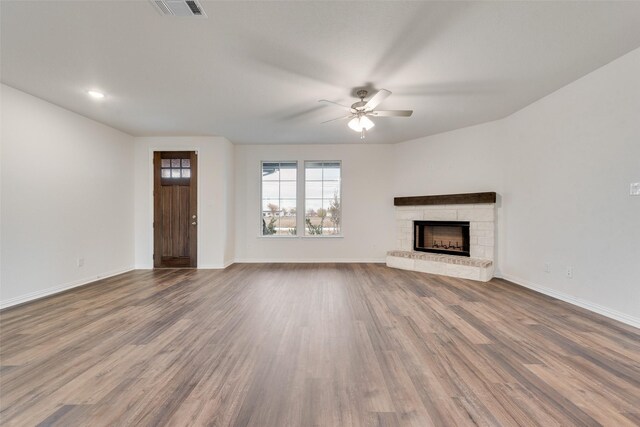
point(442, 237)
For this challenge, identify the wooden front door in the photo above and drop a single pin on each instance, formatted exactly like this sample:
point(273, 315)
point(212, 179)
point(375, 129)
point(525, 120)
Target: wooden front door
point(175, 209)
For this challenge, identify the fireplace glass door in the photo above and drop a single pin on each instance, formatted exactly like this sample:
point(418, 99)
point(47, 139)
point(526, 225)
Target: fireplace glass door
point(443, 237)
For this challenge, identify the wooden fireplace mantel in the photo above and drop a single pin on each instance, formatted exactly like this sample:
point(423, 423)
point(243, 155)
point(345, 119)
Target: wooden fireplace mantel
point(446, 199)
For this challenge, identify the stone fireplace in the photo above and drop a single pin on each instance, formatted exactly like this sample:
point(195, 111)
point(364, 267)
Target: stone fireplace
point(451, 235)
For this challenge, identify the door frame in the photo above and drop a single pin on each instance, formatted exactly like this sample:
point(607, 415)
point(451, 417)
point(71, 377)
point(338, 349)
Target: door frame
point(150, 183)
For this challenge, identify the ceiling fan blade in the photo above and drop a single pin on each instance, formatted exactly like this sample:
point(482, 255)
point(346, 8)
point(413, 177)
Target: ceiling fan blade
point(392, 113)
point(339, 118)
point(335, 103)
point(377, 99)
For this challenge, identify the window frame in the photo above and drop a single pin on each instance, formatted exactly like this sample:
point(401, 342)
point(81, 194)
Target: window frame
point(304, 201)
point(260, 215)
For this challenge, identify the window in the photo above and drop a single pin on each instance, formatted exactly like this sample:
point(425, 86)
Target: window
point(322, 198)
point(176, 169)
point(279, 198)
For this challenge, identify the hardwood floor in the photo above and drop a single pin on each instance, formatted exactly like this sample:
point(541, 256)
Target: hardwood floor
point(313, 345)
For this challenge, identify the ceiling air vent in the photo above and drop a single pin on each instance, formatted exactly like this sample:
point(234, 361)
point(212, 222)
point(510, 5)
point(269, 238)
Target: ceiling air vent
point(179, 8)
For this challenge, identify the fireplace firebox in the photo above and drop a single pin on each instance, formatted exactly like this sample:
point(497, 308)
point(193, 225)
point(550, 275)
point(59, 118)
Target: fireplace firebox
point(441, 237)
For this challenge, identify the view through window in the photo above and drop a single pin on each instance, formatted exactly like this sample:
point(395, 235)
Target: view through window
point(322, 198)
point(279, 198)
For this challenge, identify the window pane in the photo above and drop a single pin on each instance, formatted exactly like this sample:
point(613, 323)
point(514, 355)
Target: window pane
point(270, 207)
point(332, 172)
point(175, 173)
point(314, 218)
point(270, 225)
point(165, 173)
point(287, 224)
point(312, 206)
point(270, 171)
point(186, 163)
point(288, 204)
point(165, 163)
point(288, 171)
point(186, 173)
point(334, 216)
point(175, 163)
point(287, 189)
point(331, 189)
point(313, 190)
point(313, 172)
point(270, 190)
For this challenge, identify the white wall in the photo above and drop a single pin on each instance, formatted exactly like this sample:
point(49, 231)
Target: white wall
point(367, 204)
point(215, 197)
point(570, 159)
point(562, 167)
point(67, 192)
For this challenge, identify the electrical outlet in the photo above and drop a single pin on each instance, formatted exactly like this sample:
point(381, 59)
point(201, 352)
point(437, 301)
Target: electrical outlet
point(547, 267)
point(634, 189)
point(569, 272)
point(80, 262)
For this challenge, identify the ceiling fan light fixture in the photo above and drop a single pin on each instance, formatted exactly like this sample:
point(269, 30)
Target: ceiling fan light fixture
point(360, 123)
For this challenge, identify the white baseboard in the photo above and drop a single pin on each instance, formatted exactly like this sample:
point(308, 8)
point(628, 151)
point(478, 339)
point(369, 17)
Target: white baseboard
point(215, 266)
point(277, 261)
point(596, 308)
point(199, 267)
point(311, 261)
point(61, 288)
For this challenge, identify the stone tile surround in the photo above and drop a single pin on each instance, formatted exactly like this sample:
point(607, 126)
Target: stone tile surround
point(482, 220)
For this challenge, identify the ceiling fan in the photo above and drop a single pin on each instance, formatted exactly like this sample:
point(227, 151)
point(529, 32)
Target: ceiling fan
point(360, 111)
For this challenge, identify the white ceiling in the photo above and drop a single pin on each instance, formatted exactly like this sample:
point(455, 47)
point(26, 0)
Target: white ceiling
point(253, 71)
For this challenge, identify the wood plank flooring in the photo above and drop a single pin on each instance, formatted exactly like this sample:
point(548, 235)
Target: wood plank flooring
point(313, 345)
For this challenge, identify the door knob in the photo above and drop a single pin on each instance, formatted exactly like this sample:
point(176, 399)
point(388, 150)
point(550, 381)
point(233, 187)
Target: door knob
point(193, 216)
point(193, 223)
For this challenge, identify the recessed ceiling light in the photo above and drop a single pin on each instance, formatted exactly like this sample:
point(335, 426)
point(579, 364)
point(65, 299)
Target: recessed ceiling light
point(95, 94)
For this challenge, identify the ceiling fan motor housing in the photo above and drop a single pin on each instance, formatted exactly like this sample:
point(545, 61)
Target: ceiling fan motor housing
point(357, 106)
point(362, 94)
